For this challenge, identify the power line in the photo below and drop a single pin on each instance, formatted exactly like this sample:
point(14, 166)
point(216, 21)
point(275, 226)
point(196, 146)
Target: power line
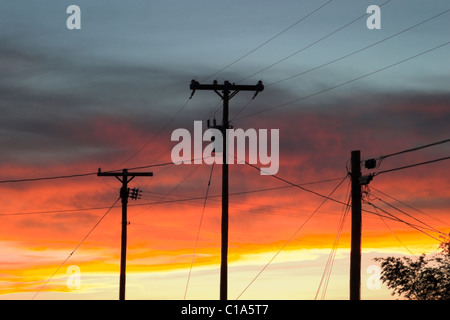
point(94, 173)
point(416, 227)
point(416, 148)
point(297, 185)
point(278, 188)
point(329, 265)
point(344, 83)
point(165, 201)
point(78, 245)
point(49, 178)
point(409, 215)
point(267, 41)
point(411, 166)
point(396, 237)
point(52, 211)
point(392, 217)
point(266, 210)
point(407, 205)
point(310, 45)
point(357, 51)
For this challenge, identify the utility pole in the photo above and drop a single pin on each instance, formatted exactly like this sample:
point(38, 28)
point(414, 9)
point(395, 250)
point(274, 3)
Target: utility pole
point(355, 251)
point(125, 177)
point(229, 90)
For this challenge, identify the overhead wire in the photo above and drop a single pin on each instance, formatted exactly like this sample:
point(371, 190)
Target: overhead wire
point(246, 206)
point(267, 41)
point(416, 148)
point(411, 166)
point(393, 233)
point(392, 217)
point(344, 83)
point(330, 261)
point(409, 215)
point(52, 211)
point(416, 227)
point(311, 44)
point(95, 173)
point(408, 205)
point(49, 178)
point(357, 51)
point(167, 201)
point(295, 184)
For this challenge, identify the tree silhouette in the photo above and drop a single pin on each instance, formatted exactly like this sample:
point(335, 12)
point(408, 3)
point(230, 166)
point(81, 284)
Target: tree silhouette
point(421, 278)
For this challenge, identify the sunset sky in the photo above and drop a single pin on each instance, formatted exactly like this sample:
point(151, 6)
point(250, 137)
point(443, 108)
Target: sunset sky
point(110, 95)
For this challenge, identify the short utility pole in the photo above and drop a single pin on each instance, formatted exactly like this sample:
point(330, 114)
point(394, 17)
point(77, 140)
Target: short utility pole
point(229, 90)
point(125, 177)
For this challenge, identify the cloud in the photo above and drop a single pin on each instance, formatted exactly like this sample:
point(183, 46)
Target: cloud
point(107, 96)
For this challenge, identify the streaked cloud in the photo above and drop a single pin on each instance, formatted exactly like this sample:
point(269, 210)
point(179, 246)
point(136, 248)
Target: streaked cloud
point(110, 95)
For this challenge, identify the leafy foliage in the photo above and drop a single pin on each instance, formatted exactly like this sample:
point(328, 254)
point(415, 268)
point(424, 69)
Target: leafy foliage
point(421, 278)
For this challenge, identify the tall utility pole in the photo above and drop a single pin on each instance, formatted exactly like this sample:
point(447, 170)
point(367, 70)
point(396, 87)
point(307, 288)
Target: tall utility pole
point(355, 251)
point(124, 177)
point(229, 90)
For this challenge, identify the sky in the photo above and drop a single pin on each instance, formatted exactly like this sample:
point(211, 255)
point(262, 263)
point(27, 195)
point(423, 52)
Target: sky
point(109, 96)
